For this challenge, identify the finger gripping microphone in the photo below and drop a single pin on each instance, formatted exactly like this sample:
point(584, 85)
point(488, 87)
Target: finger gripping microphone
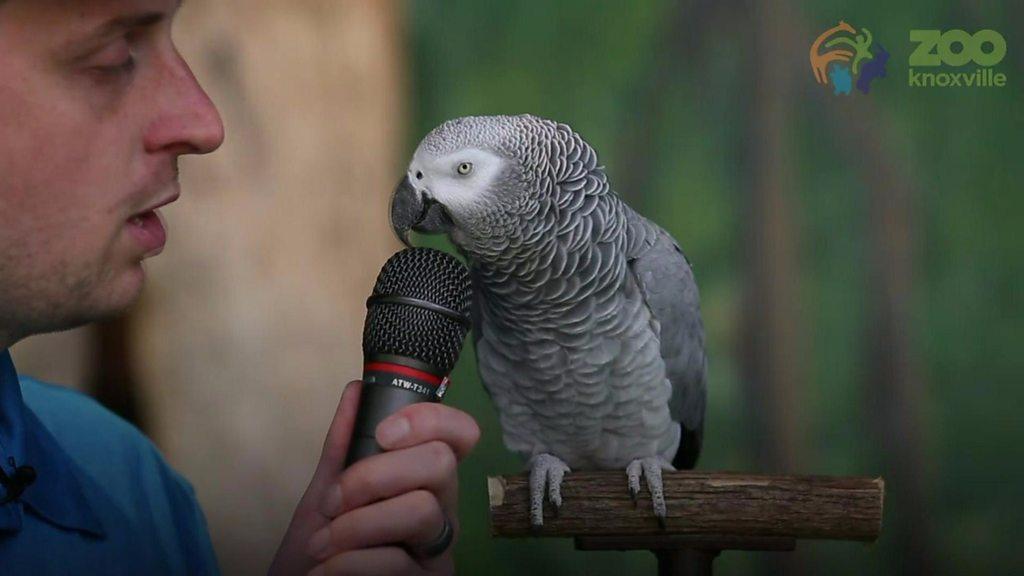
point(416, 321)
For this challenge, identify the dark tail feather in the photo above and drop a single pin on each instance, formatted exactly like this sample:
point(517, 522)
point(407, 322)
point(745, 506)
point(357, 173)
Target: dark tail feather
point(689, 448)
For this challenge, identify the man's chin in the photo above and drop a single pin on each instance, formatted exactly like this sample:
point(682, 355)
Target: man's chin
point(79, 306)
point(77, 319)
point(128, 290)
point(116, 298)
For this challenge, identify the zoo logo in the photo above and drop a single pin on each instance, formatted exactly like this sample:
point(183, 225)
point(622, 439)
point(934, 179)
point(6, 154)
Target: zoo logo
point(985, 48)
point(831, 66)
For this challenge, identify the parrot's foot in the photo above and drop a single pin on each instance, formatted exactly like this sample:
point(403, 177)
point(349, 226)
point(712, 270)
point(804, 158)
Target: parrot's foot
point(545, 470)
point(651, 468)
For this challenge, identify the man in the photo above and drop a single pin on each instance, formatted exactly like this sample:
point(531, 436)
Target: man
point(96, 106)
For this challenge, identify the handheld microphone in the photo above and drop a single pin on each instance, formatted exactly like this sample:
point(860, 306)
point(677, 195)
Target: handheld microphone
point(416, 321)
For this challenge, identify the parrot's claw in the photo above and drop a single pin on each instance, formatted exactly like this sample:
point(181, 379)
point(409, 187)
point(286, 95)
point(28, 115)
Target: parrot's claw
point(546, 471)
point(633, 474)
point(651, 469)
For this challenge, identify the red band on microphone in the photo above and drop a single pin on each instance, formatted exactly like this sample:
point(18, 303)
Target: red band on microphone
point(403, 370)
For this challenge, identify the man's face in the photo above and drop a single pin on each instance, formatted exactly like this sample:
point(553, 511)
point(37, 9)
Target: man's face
point(96, 106)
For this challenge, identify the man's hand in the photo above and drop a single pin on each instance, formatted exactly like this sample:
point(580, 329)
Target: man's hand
point(365, 519)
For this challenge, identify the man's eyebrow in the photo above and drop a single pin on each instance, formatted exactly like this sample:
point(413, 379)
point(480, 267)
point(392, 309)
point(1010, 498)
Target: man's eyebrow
point(127, 22)
point(118, 25)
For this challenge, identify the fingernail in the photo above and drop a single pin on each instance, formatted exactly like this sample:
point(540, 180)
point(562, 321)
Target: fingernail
point(319, 542)
point(391, 430)
point(332, 505)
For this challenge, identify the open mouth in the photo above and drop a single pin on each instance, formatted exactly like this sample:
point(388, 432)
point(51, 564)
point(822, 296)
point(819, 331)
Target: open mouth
point(147, 228)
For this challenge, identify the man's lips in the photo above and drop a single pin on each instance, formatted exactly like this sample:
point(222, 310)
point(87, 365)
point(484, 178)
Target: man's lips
point(158, 204)
point(148, 230)
point(147, 227)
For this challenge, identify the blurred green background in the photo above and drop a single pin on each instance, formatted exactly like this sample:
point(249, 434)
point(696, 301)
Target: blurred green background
point(859, 257)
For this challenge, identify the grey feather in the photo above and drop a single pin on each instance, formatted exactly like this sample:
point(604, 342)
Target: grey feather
point(670, 292)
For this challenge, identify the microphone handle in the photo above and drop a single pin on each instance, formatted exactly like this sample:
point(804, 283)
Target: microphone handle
point(390, 383)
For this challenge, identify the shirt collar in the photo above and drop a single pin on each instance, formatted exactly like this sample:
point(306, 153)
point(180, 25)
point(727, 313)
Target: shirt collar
point(57, 495)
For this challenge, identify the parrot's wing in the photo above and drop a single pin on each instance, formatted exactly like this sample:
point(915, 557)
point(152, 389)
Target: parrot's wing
point(670, 292)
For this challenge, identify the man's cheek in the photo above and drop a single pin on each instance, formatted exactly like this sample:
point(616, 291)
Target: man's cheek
point(75, 246)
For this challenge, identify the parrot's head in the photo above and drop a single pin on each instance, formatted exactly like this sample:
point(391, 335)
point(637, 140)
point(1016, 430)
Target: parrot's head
point(482, 180)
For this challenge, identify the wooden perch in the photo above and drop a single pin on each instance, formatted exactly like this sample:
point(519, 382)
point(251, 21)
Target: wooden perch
point(705, 510)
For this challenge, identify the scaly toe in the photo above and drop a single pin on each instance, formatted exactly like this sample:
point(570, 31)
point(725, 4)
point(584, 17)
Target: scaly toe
point(633, 471)
point(546, 473)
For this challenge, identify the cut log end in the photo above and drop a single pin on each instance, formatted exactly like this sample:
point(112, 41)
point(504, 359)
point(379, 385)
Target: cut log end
point(496, 491)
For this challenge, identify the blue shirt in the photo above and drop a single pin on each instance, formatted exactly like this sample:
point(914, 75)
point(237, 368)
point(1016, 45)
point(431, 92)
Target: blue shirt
point(104, 500)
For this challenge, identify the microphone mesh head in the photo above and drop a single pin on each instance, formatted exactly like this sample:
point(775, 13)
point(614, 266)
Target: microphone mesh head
point(414, 332)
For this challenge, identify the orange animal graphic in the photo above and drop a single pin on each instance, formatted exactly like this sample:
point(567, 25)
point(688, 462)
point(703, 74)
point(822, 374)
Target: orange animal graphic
point(820, 62)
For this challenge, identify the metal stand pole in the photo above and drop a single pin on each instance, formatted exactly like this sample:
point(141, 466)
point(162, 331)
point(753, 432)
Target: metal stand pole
point(685, 562)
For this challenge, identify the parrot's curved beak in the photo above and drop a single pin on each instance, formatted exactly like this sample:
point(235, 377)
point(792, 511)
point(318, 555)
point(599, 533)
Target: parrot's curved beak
point(411, 209)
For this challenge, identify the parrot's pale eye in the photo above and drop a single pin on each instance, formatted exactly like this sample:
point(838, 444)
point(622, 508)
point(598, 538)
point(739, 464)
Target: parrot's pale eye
point(465, 168)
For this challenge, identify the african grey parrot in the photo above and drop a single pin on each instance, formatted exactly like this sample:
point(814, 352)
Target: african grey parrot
point(586, 317)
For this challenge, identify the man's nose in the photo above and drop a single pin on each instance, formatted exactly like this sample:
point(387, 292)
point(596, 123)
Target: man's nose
point(188, 122)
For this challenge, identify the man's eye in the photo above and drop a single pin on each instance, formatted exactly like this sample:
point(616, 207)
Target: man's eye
point(126, 67)
point(116, 60)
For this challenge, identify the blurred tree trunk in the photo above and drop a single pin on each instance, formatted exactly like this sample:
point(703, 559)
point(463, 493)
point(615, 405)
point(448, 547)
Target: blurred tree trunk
point(113, 380)
point(251, 322)
point(893, 388)
point(894, 391)
point(771, 344)
point(679, 43)
point(771, 347)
